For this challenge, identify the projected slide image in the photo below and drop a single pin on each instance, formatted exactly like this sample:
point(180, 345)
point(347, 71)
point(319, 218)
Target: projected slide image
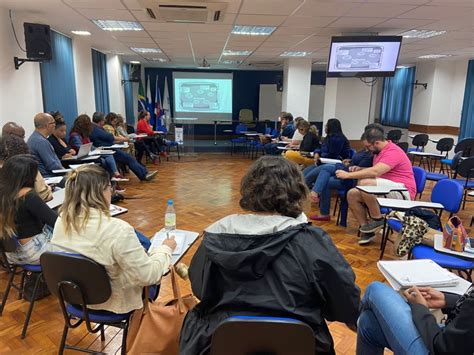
point(359, 57)
point(201, 95)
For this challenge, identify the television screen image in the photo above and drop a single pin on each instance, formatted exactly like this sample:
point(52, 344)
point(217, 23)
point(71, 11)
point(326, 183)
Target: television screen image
point(363, 56)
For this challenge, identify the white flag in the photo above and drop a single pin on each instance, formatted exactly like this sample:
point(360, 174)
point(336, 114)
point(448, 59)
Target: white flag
point(166, 104)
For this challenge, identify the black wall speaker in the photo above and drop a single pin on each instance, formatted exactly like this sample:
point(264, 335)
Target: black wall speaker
point(135, 72)
point(38, 41)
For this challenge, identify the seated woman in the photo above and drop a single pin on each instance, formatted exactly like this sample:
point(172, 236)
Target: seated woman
point(23, 214)
point(269, 261)
point(79, 135)
point(388, 321)
point(156, 144)
point(10, 146)
point(323, 179)
point(61, 148)
point(84, 226)
point(309, 144)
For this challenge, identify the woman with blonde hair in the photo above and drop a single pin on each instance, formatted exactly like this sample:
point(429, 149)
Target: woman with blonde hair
point(85, 226)
point(308, 145)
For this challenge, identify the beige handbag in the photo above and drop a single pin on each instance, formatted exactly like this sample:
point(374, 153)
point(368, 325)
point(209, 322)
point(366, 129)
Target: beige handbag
point(156, 327)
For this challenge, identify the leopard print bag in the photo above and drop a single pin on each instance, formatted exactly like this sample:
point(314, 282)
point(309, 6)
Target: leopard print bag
point(413, 230)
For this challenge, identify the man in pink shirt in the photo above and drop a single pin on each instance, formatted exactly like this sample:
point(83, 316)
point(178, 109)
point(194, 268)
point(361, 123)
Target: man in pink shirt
point(391, 168)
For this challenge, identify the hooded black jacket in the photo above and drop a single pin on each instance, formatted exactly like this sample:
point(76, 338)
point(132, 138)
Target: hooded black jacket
point(296, 272)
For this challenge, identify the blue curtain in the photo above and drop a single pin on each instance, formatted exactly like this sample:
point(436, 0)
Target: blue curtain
point(128, 91)
point(101, 85)
point(57, 79)
point(467, 115)
point(397, 97)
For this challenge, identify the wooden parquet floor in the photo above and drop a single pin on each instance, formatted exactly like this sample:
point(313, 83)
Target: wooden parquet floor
point(205, 189)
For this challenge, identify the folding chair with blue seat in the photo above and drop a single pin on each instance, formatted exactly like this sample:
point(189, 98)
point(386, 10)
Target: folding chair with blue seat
point(419, 141)
point(9, 245)
point(239, 129)
point(444, 146)
point(252, 335)
point(275, 132)
point(466, 149)
point(170, 144)
point(394, 135)
point(446, 192)
point(403, 146)
point(420, 176)
point(465, 169)
point(79, 282)
point(454, 162)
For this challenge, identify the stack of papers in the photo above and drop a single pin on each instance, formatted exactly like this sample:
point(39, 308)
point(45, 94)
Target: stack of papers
point(402, 274)
point(53, 180)
point(116, 210)
point(330, 161)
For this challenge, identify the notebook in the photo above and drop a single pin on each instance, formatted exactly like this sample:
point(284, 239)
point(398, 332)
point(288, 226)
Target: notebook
point(422, 272)
point(179, 237)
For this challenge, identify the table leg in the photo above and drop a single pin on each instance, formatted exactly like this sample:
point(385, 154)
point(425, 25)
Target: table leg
point(215, 132)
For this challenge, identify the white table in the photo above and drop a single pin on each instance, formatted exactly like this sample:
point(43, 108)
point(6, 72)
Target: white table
point(402, 205)
point(287, 148)
point(117, 146)
point(438, 245)
point(380, 190)
point(253, 134)
point(427, 156)
point(58, 199)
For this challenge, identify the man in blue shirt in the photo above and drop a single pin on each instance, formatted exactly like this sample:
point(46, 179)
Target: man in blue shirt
point(101, 138)
point(286, 132)
point(40, 146)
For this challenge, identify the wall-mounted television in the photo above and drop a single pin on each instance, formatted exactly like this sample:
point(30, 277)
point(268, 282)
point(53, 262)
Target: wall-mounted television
point(363, 56)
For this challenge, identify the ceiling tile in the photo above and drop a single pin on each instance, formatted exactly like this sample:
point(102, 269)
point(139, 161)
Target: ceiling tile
point(94, 4)
point(360, 23)
point(436, 12)
point(286, 31)
point(404, 23)
point(162, 26)
point(312, 8)
point(131, 41)
point(314, 21)
point(207, 28)
point(261, 20)
point(141, 15)
point(379, 10)
point(132, 4)
point(109, 14)
point(452, 2)
point(269, 7)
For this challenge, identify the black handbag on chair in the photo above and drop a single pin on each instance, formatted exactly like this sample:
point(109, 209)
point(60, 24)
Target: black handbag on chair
point(29, 286)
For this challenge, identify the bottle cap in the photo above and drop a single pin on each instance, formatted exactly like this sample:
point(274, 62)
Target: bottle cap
point(170, 202)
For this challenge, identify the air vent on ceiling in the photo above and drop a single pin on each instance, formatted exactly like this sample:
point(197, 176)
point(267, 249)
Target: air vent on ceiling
point(184, 11)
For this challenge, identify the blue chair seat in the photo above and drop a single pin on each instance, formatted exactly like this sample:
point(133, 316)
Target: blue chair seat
point(444, 260)
point(32, 268)
point(470, 183)
point(239, 140)
point(395, 224)
point(385, 210)
point(172, 143)
point(447, 161)
point(436, 176)
point(97, 316)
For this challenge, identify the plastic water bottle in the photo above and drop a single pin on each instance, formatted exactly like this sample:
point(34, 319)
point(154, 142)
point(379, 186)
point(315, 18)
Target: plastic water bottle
point(170, 216)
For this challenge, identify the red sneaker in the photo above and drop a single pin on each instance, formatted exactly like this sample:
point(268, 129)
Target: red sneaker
point(317, 217)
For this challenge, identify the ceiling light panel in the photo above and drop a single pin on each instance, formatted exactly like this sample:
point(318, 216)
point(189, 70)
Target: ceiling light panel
point(253, 30)
point(229, 52)
point(294, 54)
point(145, 50)
point(421, 33)
point(112, 25)
point(434, 56)
point(81, 33)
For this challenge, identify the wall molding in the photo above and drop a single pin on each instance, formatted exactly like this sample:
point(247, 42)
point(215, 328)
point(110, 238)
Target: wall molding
point(434, 129)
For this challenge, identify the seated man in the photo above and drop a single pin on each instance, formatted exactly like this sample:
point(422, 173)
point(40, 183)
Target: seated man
point(41, 148)
point(11, 128)
point(391, 168)
point(286, 132)
point(101, 138)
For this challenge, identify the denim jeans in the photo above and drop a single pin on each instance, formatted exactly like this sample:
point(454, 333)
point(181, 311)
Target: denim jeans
point(322, 179)
point(30, 252)
point(124, 158)
point(108, 162)
point(386, 322)
point(144, 241)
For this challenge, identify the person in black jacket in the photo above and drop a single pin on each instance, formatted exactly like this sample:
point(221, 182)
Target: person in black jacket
point(269, 262)
point(388, 321)
point(61, 148)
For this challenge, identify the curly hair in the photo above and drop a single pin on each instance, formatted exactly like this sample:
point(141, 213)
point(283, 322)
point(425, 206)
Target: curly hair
point(82, 125)
point(12, 145)
point(274, 184)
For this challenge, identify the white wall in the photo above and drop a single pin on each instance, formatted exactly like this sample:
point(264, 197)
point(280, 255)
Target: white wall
point(114, 77)
point(83, 72)
point(421, 105)
point(348, 100)
point(297, 86)
point(20, 90)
